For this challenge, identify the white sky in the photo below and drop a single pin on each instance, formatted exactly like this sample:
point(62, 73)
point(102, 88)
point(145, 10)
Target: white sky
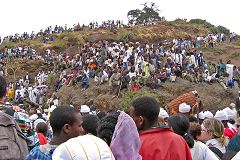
point(17, 16)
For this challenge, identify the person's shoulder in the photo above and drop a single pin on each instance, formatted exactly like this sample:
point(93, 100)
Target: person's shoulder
point(34, 153)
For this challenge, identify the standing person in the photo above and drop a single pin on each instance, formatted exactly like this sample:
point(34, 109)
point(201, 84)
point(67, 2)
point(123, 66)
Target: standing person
point(238, 103)
point(158, 142)
point(12, 141)
point(236, 76)
point(199, 151)
point(66, 123)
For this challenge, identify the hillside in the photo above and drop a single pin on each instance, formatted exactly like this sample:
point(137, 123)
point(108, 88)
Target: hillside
point(160, 31)
point(213, 96)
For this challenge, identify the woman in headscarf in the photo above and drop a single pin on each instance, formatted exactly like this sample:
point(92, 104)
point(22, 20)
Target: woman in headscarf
point(120, 132)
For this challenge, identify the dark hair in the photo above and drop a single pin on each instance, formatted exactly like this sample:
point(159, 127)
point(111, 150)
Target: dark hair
point(62, 115)
point(107, 126)
point(180, 125)
point(42, 128)
point(192, 119)
point(195, 130)
point(90, 124)
point(101, 115)
point(3, 86)
point(147, 107)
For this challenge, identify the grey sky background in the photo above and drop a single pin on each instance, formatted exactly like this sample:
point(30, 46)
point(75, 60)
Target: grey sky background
point(18, 16)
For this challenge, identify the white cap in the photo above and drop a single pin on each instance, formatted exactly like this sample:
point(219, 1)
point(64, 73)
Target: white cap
point(83, 147)
point(84, 109)
point(163, 113)
point(184, 108)
point(229, 112)
point(221, 115)
point(52, 108)
point(200, 115)
point(233, 105)
point(38, 111)
point(207, 114)
point(38, 121)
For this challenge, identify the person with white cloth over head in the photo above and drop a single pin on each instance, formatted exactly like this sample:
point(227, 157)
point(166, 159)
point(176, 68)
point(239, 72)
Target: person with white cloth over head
point(83, 147)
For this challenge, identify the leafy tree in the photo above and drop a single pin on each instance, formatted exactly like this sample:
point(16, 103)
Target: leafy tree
point(148, 14)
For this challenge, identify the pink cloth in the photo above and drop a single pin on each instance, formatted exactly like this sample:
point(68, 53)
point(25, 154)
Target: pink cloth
point(126, 142)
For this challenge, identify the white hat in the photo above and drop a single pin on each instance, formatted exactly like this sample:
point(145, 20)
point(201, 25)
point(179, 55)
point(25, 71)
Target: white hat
point(84, 109)
point(233, 105)
point(184, 108)
point(229, 112)
point(163, 113)
point(207, 114)
point(83, 147)
point(52, 108)
point(221, 115)
point(200, 115)
point(38, 121)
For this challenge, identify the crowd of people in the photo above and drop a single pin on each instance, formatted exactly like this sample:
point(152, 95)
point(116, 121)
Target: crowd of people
point(46, 34)
point(144, 131)
point(134, 65)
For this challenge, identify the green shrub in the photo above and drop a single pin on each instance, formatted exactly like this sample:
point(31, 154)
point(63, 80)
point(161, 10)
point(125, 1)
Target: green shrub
point(125, 36)
point(129, 96)
point(224, 30)
point(201, 21)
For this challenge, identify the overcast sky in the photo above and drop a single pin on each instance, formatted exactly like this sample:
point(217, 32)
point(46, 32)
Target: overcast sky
point(17, 16)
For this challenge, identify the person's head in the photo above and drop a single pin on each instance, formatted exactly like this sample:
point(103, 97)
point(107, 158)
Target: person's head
point(195, 130)
point(144, 111)
point(3, 87)
point(106, 127)
point(191, 118)
point(66, 122)
point(212, 129)
point(101, 115)
point(90, 124)
point(42, 128)
point(120, 132)
point(180, 125)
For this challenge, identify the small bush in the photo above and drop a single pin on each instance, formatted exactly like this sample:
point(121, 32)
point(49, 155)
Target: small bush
point(125, 36)
point(129, 96)
point(224, 30)
point(201, 21)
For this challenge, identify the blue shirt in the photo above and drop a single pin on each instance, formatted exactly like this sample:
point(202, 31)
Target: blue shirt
point(43, 152)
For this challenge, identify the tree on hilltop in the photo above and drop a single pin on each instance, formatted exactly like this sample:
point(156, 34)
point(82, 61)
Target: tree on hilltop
point(149, 14)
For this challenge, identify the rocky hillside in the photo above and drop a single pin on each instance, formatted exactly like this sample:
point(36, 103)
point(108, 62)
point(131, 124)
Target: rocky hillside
point(213, 96)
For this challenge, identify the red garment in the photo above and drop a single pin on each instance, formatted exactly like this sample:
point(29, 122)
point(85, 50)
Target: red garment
point(42, 139)
point(230, 132)
point(163, 144)
point(135, 88)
